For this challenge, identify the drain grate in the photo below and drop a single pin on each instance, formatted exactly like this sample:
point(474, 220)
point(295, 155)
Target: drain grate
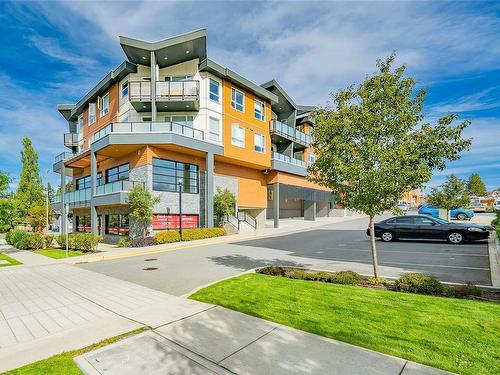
point(150, 268)
point(150, 259)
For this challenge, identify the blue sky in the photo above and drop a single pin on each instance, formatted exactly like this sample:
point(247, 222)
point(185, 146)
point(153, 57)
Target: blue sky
point(54, 52)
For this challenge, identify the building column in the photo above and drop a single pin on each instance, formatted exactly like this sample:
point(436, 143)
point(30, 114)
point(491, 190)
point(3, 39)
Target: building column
point(93, 177)
point(64, 214)
point(153, 85)
point(310, 210)
point(276, 204)
point(209, 189)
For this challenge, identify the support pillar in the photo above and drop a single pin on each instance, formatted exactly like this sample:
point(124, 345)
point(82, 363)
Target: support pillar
point(94, 225)
point(64, 214)
point(153, 86)
point(310, 210)
point(276, 204)
point(209, 189)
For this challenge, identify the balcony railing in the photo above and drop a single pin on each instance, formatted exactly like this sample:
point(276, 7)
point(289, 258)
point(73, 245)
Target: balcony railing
point(165, 90)
point(117, 186)
point(63, 156)
point(149, 127)
point(75, 196)
point(288, 159)
point(288, 132)
point(72, 139)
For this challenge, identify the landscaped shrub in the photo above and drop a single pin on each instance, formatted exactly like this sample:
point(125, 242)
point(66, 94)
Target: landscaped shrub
point(419, 283)
point(79, 241)
point(49, 240)
point(141, 242)
point(36, 241)
point(339, 277)
point(167, 236)
point(124, 242)
point(465, 290)
point(272, 271)
point(346, 277)
point(200, 233)
point(377, 281)
point(19, 239)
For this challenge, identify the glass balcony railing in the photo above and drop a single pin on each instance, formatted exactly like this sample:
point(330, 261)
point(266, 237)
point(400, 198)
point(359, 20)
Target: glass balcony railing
point(149, 127)
point(289, 132)
point(288, 159)
point(75, 196)
point(63, 156)
point(117, 186)
point(182, 90)
point(72, 139)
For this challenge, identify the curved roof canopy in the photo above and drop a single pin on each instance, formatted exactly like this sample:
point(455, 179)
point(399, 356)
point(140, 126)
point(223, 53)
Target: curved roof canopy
point(168, 51)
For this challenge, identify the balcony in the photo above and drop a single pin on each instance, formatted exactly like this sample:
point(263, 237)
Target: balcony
point(288, 164)
point(282, 130)
point(117, 187)
point(75, 197)
point(170, 96)
point(148, 127)
point(73, 139)
point(63, 156)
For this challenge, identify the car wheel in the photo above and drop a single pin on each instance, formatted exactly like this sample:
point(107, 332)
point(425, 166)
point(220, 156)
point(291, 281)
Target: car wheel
point(461, 217)
point(387, 236)
point(455, 238)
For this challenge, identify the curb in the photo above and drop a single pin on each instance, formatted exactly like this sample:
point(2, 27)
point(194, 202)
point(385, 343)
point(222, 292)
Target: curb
point(494, 256)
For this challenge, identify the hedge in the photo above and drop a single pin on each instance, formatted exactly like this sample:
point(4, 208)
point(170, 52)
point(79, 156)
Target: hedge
point(23, 240)
point(79, 241)
point(169, 236)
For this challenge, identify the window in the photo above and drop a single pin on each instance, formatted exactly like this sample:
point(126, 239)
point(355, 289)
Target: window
point(124, 89)
point(181, 119)
point(146, 79)
point(238, 135)
point(86, 182)
point(118, 173)
point(91, 118)
point(80, 124)
point(237, 100)
point(312, 159)
point(117, 225)
point(259, 110)
point(82, 224)
point(214, 91)
point(404, 220)
point(214, 129)
point(104, 105)
point(99, 179)
point(178, 78)
point(147, 119)
point(259, 143)
point(167, 174)
point(424, 221)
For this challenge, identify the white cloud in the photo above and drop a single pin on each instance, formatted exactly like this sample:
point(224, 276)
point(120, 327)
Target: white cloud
point(51, 47)
point(480, 101)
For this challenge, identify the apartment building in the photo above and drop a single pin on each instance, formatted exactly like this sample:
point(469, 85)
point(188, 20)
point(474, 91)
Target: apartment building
point(172, 120)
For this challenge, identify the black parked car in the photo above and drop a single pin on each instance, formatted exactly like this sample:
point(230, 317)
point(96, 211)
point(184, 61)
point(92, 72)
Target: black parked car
point(428, 228)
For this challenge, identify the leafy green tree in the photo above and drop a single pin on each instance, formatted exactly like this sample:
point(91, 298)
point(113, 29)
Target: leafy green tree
point(141, 203)
point(4, 182)
point(453, 193)
point(29, 191)
point(9, 214)
point(37, 217)
point(372, 146)
point(224, 202)
point(476, 186)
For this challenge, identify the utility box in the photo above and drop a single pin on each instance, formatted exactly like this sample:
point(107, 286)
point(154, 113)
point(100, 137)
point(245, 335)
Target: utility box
point(443, 214)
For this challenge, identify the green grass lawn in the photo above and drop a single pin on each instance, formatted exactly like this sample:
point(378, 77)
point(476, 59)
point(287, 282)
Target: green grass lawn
point(12, 262)
point(59, 253)
point(462, 336)
point(63, 364)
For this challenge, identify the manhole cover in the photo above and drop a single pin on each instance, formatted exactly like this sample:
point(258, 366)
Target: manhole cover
point(149, 268)
point(150, 259)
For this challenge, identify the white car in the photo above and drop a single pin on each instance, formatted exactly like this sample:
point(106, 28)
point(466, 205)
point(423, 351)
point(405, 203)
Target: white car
point(478, 207)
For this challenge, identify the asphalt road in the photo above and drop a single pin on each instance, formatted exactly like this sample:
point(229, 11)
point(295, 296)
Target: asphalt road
point(333, 247)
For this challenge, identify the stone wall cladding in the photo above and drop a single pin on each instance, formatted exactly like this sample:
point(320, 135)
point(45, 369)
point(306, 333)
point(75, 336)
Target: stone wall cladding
point(229, 182)
point(169, 203)
point(143, 174)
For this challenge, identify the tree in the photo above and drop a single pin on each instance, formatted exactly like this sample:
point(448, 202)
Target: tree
point(4, 182)
point(224, 202)
point(37, 217)
point(476, 186)
point(9, 214)
point(29, 191)
point(141, 203)
point(451, 194)
point(372, 146)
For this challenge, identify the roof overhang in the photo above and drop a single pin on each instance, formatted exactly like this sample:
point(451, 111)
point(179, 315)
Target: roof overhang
point(284, 103)
point(225, 73)
point(168, 51)
point(65, 110)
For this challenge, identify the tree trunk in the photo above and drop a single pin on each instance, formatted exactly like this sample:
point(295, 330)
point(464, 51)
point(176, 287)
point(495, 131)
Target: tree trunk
point(374, 248)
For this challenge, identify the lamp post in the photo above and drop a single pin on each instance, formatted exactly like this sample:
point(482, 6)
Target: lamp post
point(179, 183)
point(47, 201)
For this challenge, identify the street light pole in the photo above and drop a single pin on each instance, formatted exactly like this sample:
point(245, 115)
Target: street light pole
point(180, 208)
point(47, 201)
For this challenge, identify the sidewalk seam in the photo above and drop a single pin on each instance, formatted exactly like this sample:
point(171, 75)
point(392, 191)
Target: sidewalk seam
point(404, 366)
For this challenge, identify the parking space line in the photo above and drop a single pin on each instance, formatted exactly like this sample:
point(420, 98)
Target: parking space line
point(435, 265)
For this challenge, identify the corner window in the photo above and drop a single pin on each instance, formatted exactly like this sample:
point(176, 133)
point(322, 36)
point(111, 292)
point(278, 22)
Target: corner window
point(214, 129)
point(260, 143)
point(124, 89)
point(259, 110)
point(237, 100)
point(168, 174)
point(104, 105)
point(91, 118)
point(237, 135)
point(213, 92)
point(118, 173)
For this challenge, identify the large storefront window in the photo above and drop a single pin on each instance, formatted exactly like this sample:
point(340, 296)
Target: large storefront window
point(117, 173)
point(167, 174)
point(82, 224)
point(117, 224)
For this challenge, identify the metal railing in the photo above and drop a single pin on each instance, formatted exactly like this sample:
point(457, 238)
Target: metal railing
point(63, 156)
point(247, 218)
point(117, 186)
point(182, 90)
point(289, 132)
point(72, 139)
point(75, 196)
point(233, 220)
point(149, 127)
point(288, 159)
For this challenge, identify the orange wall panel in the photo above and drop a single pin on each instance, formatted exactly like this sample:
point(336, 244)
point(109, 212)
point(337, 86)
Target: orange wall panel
point(290, 179)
